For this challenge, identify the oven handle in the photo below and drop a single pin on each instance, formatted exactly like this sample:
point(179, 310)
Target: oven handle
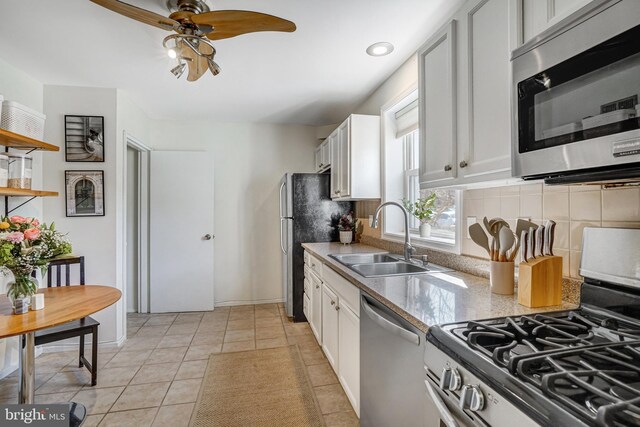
point(447, 417)
point(387, 325)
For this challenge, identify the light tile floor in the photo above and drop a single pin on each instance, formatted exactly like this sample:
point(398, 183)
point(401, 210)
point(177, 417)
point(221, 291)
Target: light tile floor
point(154, 378)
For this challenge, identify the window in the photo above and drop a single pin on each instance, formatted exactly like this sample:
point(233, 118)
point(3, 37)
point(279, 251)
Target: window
point(401, 150)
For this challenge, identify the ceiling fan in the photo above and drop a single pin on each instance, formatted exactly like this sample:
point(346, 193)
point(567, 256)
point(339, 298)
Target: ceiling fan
point(195, 25)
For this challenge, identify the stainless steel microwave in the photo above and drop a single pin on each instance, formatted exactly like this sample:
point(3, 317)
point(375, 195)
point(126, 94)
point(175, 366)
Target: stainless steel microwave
point(576, 98)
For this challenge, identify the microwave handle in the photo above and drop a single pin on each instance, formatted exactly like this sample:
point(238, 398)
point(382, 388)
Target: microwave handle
point(447, 417)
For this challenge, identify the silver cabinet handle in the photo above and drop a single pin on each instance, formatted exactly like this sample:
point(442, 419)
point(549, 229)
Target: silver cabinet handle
point(387, 325)
point(463, 164)
point(208, 237)
point(447, 168)
point(446, 416)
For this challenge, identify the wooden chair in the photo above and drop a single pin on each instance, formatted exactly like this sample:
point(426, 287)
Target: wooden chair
point(77, 328)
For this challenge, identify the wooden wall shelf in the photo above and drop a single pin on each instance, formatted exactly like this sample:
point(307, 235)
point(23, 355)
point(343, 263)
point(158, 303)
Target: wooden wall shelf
point(18, 192)
point(14, 140)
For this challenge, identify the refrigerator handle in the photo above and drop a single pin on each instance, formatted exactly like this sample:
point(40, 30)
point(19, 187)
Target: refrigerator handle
point(280, 192)
point(282, 248)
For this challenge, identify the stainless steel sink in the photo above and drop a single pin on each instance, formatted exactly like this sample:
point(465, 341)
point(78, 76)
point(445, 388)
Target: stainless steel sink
point(379, 265)
point(350, 259)
point(399, 268)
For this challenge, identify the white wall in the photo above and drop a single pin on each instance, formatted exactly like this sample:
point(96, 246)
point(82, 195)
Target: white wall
point(15, 85)
point(93, 237)
point(249, 160)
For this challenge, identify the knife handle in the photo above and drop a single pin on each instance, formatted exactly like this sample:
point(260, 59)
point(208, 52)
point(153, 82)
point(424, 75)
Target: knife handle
point(550, 232)
point(532, 243)
point(524, 245)
point(540, 233)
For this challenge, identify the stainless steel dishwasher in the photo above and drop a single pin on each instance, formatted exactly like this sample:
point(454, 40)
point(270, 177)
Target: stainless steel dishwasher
point(392, 372)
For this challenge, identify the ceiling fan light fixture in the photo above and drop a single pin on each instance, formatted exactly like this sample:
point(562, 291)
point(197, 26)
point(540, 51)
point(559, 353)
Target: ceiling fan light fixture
point(380, 49)
point(178, 70)
point(172, 53)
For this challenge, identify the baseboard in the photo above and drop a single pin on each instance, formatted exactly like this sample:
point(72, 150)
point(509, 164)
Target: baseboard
point(51, 348)
point(252, 302)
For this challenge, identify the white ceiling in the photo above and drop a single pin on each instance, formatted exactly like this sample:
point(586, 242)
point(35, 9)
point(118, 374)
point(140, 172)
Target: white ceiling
point(314, 76)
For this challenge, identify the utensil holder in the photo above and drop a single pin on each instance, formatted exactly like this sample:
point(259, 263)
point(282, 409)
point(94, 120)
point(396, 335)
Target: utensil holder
point(540, 282)
point(501, 277)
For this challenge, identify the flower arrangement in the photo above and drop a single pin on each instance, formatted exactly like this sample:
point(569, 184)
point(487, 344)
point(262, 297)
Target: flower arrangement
point(423, 208)
point(26, 244)
point(347, 222)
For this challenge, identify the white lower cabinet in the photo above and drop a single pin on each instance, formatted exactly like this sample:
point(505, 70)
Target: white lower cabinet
point(330, 326)
point(349, 353)
point(315, 320)
point(333, 312)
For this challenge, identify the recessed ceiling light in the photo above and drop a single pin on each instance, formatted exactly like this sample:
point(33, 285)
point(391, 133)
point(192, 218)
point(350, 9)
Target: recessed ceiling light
point(380, 49)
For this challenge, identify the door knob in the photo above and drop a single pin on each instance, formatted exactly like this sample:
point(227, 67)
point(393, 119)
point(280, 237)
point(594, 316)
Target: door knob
point(447, 168)
point(208, 237)
point(463, 164)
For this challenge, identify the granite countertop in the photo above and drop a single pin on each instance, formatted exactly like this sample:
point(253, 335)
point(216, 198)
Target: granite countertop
point(429, 299)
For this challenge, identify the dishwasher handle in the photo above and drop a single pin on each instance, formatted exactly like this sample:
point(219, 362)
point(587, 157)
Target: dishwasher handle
point(446, 416)
point(387, 325)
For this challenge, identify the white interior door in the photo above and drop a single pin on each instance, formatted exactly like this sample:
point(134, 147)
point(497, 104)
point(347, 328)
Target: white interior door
point(181, 231)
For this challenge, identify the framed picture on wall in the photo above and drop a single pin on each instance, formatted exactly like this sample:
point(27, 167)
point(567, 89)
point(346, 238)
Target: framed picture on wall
point(84, 138)
point(84, 193)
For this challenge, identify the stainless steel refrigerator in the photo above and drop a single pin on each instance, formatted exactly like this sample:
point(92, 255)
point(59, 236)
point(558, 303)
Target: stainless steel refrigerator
point(307, 214)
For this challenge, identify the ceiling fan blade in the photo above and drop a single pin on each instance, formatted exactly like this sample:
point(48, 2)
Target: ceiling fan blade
point(139, 14)
point(231, 23)
point(197, 64)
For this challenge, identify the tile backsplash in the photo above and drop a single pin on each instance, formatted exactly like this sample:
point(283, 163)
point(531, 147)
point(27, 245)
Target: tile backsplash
point(572, 207)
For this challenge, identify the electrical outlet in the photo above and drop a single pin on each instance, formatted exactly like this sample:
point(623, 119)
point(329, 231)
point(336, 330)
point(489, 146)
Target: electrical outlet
point(470, 221)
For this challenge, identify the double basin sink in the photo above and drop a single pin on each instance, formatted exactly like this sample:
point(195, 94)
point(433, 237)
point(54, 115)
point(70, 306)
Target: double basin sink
point(379, 265)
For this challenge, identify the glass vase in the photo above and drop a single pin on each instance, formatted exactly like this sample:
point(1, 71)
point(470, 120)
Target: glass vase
point(21, 289)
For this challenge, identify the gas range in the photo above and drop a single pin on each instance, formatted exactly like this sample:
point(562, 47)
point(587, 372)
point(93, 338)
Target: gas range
point(568, 368)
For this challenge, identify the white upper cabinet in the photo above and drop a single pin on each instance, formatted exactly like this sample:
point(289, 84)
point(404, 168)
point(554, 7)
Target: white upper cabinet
point(465, 96)
point(437, 84)
point(538, 15)
point(322, 156)
point(355, 158)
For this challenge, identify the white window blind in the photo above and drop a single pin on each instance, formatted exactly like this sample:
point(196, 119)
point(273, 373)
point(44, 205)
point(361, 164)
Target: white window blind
point(407, 119)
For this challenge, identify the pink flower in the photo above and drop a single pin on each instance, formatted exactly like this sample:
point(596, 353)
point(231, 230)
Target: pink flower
point(14, 237)
point(32, 234)
point(33, 221)
point(18, 219)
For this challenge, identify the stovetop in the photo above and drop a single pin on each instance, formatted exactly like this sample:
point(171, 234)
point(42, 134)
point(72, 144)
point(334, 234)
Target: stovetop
point(587, 361)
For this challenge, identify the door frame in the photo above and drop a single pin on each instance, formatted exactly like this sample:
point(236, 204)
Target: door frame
point(143, 219)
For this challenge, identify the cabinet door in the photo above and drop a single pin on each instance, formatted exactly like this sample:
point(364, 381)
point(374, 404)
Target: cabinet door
point(486, 148)
point(437, 69)
point(317, 156)
point(315, 321)
point(330, 326)
point(335, 164)
point(326, 154)
point(344, 144)
point(538, 15)
point(349, 347)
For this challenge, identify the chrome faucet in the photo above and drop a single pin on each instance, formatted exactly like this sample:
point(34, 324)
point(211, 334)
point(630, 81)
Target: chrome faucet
point(408, 249)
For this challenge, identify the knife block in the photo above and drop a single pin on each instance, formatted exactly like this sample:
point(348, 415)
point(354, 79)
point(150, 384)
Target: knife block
point(540, 282)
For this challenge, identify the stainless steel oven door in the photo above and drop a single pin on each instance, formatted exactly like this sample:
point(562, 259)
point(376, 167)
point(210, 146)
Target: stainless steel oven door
point(575, 94)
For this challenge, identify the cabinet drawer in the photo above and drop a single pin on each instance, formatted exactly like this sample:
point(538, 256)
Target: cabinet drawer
point(348, 292)
point(316, 265)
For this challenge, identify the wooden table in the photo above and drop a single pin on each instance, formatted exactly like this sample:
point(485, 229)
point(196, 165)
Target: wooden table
point(61, 305)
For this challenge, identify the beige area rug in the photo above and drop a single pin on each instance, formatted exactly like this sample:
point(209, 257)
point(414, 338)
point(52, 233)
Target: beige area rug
point(257, 388)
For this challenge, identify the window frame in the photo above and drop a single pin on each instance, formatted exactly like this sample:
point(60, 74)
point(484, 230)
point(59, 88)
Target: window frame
point(388, 136)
